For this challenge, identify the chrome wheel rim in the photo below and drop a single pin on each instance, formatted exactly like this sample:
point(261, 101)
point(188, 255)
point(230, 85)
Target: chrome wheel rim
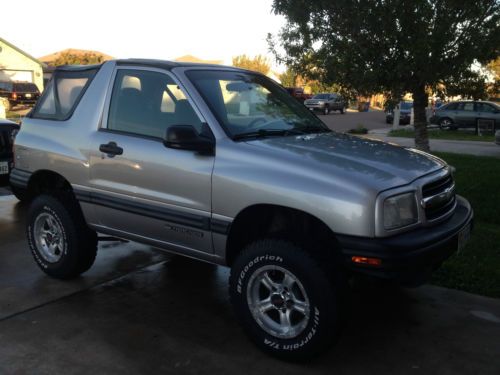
point(48, 235)
point(278, 302)
point(445, 123)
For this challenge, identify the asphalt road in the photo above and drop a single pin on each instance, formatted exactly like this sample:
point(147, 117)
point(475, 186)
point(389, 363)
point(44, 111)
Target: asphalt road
point(352, 119)
point(140, 311)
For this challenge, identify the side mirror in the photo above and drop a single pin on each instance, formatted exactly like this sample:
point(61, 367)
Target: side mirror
point(185, 137)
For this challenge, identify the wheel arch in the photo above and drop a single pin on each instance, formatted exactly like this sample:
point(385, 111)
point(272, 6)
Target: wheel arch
point(47, 181)
point(267, 220)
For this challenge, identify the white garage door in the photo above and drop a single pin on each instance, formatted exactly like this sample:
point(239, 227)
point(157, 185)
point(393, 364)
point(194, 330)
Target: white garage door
point(17, 75)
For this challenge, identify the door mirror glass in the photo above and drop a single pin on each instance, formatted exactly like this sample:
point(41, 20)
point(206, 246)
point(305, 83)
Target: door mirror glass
point(185, 137)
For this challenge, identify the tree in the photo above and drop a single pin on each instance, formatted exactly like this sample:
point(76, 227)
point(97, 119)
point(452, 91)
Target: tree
point(258, 63)
point(86, 58)
point(288, 78)
point(494, 69)
point(394, 46)
point(468, 85)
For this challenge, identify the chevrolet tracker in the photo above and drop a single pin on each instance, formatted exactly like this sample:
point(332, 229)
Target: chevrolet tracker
point(223, 165)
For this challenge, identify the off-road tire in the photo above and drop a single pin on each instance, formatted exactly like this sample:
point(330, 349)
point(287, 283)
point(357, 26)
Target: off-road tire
point(323, 320)
point(79, 241)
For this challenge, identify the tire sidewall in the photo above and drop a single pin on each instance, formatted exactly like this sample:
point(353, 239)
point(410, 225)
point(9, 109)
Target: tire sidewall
point(48, 205)
point(321, 315)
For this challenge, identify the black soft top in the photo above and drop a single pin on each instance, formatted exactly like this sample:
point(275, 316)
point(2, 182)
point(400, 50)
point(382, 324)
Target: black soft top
point(162, 64)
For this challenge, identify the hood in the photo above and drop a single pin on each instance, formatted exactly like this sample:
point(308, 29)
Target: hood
point(355, 160)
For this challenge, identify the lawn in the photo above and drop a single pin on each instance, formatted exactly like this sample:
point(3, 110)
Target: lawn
point(456, 135)
point(477, 268)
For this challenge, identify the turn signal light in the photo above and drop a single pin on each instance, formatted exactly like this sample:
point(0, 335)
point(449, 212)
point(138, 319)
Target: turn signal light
point(368, 261)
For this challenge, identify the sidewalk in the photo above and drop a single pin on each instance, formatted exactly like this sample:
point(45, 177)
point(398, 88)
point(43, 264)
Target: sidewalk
point(458, 147)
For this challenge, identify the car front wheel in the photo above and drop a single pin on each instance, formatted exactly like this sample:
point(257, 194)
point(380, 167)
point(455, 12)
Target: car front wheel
point(284, 300)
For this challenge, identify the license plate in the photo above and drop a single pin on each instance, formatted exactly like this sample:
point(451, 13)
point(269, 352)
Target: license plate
point(28, 95)
point(311, 109)
point(463, 237)
point(4, 167)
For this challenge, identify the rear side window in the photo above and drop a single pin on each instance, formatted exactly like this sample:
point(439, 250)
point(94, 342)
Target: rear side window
point(63, 93)
point(450, 107)
point(25, 87)
point(6, 86)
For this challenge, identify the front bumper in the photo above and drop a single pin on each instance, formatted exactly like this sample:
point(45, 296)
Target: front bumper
point(412, 256)
point(315, 106)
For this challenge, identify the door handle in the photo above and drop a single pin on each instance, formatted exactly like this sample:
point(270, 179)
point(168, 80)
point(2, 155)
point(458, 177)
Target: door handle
point(111, 149)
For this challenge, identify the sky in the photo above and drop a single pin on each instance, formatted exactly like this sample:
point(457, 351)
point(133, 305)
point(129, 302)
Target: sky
point(164, 29)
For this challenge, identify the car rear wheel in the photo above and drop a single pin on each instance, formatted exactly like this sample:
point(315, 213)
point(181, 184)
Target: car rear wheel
point(445, 123)
point(284, 300)
point(61, 243)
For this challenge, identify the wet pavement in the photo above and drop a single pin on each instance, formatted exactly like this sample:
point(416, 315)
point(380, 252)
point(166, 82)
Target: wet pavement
point(139, 311)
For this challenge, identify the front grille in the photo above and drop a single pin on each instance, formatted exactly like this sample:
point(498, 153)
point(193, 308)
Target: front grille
point(440, 198)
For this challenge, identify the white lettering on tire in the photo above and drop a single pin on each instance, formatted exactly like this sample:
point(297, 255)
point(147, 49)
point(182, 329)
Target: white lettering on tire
point(272, 258)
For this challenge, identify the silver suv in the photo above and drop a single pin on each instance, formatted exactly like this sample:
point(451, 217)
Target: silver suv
point(326, 103)
point(223, 165)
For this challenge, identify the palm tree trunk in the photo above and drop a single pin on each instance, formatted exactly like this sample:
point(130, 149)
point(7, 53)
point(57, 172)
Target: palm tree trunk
point(420, 101)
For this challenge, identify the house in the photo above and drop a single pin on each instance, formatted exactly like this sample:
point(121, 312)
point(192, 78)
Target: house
point(17, 65)
point(194, 59)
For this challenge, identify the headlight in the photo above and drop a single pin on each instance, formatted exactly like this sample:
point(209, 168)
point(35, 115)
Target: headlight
point(400, 211)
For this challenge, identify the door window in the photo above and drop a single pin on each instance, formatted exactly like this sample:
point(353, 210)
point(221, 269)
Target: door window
point(468, 106)
point(484, 107)
point(146, 103)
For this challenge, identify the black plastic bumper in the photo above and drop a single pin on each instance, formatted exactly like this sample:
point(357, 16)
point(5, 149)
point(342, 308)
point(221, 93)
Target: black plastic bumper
point(409, 257)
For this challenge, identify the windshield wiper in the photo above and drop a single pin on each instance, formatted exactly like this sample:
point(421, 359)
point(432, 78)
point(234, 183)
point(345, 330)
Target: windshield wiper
point(262, 133)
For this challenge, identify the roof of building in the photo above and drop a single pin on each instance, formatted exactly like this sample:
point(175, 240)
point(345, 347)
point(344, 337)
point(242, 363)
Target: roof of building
point(194, 59)
point(22, 52)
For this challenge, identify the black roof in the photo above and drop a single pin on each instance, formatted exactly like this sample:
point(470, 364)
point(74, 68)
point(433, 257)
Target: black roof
point(163, 64)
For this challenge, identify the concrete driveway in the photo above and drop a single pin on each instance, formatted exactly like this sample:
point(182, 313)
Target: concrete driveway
point(139, 311)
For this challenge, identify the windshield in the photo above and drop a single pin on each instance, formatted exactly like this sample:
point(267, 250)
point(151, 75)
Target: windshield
point(249, 104)
point(321, 96)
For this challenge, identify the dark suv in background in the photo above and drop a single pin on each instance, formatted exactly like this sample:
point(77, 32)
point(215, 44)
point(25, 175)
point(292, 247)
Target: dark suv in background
point(405, 114)
point(19, 92)
point(465, 114)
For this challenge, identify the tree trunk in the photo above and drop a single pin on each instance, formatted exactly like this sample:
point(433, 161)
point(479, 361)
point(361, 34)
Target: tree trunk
point(420, 102)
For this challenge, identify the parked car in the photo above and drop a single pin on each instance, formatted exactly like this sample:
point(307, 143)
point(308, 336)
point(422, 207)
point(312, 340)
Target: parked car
point(154, 152)
point(8, 131)
point(19, 92)
point(465, 114)
point(404, 114)
point(298, 93)
point(326, 103)
point(497, 137)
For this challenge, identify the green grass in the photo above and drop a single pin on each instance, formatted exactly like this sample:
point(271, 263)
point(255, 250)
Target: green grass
point(455, 135)
point(477, 268)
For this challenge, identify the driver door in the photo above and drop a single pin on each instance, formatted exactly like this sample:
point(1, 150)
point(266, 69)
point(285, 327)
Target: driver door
point(145, 190)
